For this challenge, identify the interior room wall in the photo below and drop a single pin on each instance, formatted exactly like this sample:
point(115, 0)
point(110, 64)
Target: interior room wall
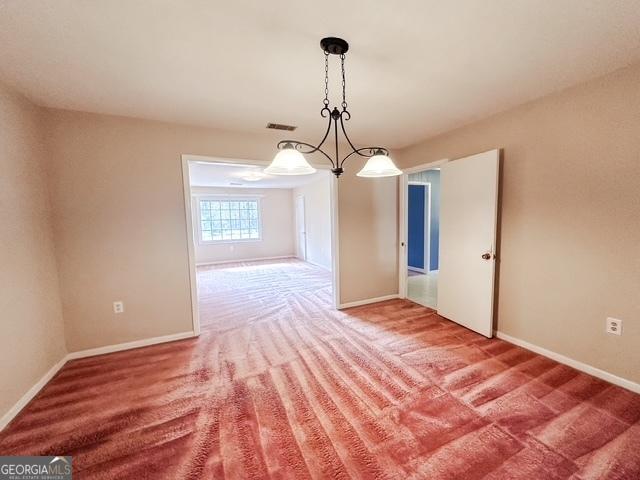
point(119, 221)
point(317, 201)
point(120, 230)
point(31, 321)
point(570, 202)
point(433, 178)
point(276, 211)
point(368, 224)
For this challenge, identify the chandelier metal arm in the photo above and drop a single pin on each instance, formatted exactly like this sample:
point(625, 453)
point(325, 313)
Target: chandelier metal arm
point(324, 112)
point(297, 145)
point(326, 134)
point(337, 164)
point(371, 152)
point(344, 131)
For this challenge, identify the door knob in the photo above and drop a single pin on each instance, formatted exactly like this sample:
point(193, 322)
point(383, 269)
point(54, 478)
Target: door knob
point(486, 256)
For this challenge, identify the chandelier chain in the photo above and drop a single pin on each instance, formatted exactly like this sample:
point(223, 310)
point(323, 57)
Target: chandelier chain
point(344, 85)
point(326, 79)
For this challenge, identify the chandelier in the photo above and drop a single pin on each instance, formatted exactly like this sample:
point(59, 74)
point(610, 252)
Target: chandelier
point(290, 159)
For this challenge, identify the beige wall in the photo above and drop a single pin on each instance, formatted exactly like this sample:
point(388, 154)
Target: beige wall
point(120, 231)
point(119, 221)
point(276, 215)
point(570, 241)
point(368, 224)
point(31, 319)
point(317, 207)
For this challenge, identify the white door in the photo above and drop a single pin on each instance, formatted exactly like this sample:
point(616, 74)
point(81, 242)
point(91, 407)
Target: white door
point(301, 233)
point(468, 221)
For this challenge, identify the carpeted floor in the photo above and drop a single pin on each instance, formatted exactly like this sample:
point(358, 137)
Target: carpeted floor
point(281, 386)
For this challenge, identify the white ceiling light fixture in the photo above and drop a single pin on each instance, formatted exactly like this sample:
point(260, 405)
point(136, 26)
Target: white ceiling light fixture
point(290, 159)
point(380, 165)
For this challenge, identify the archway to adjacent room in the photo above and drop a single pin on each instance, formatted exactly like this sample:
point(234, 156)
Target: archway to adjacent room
point(243, 237)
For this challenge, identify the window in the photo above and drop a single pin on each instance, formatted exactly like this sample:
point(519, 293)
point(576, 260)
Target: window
point(229, 220)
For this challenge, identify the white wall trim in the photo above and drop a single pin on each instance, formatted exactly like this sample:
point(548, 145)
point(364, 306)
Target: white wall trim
point(416, 269)
point(367, 301)
point(39, 385)
point(335, 241)
point(256, 259)
point(32, 392)
point(583, 367)
point(300, 228)
point(145, 342)
point(424, 166)
point(191, 247)
point(35, 389)
point(328, 269)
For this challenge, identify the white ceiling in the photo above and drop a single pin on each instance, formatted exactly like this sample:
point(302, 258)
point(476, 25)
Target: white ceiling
point(229, 175)
point(415, 68)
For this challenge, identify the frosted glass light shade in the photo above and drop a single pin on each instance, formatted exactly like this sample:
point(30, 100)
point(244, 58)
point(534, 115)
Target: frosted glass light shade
point(379, 165)
point(289, 161)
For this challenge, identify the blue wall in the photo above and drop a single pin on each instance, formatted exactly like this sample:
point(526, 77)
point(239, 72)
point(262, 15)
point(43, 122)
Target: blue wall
point(432, 177)
point(417, 216)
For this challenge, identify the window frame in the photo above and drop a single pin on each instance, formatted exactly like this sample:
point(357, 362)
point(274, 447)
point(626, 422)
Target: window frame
point(227, 198)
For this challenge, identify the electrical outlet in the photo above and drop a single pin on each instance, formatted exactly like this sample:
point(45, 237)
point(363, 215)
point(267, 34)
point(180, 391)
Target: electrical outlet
point(614, 326)
point(118, 307)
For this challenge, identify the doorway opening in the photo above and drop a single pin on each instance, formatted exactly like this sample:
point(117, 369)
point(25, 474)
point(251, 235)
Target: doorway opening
point(423, 226)
point(257, 241)
point(448, 238)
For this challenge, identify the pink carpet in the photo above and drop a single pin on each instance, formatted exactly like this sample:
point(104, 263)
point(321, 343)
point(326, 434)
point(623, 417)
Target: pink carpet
point(281, 386)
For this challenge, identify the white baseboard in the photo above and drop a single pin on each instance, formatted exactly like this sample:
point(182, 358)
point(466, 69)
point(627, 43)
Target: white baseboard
point(318, 265)
point(222, 262)
point(92, 352)
point(32, 392)
point(583, 367)
point(367, 301)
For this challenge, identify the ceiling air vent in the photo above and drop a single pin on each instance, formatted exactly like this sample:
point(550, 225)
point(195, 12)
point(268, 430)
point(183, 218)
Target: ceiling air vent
point(280, 126)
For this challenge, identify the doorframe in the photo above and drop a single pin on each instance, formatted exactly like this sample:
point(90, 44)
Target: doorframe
point(304, 223)
point(427, 228)
point(404, 221)
point(188, 211)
